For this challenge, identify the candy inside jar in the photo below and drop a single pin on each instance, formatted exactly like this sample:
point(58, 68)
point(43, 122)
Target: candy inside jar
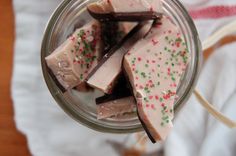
point(158, 62)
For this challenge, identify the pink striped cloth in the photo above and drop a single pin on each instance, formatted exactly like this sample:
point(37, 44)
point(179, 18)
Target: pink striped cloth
point(213, 12)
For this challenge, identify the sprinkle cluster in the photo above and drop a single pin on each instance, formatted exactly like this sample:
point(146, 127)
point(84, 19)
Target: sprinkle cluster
point(84, 51)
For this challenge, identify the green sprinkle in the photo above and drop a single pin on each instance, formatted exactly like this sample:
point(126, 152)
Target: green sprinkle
point(145, 99)
point(165, 117)
point(81, 76)
point(146, 65)
point(143, 74)
point(165, 107)
point(94, 57)
point(161, 99)
point(162, 123)
point(178, 40)
point(173, 78)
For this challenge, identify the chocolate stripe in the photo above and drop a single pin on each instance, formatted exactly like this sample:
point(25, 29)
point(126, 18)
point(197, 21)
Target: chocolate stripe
point(120, 16)
point(146, 129)
point(121, 90)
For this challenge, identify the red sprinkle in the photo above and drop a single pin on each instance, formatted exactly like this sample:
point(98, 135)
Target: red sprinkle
point(139, 59)
point(150, 97)
point(156, 97)
point(154, 42)
point(72, 38)
point(152, 106)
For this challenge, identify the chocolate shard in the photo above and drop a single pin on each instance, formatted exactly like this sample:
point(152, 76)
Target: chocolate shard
point(154, 67)
point(105, 74)
point(123, 10)
point(71, 62)
point(153, 140)
point(121, 90)
point(114, 32)
point(116, 107)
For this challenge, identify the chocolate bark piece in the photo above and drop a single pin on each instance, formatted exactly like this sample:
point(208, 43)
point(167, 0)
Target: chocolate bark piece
point(116, 107)
point(154, 66)
point(125, 10)
point(105, 74)
point(71, 62)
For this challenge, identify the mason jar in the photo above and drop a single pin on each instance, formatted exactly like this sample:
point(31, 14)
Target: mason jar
point(72, 14)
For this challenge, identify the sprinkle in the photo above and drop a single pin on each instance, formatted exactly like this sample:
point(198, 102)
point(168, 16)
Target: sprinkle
point(154, 42)
point(150, 97)
point(156, 97)
point(161, 99)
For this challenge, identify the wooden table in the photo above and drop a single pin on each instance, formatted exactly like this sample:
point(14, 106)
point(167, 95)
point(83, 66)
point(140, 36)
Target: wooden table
point(12, 143)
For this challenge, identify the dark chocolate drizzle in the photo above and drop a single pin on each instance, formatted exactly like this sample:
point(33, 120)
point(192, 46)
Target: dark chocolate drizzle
point(109, 35)
point(146, 130)
point(124, 16)
point(121, 90)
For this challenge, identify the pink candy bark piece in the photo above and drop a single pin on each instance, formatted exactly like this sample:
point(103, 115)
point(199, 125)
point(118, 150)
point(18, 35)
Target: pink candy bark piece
point(154, 67)
point(77, 56)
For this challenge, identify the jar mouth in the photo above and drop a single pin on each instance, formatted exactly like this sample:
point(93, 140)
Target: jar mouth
point(55, 35)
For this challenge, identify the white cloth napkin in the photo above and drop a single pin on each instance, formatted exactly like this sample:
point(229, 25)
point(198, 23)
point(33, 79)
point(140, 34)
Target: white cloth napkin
point(50, 131)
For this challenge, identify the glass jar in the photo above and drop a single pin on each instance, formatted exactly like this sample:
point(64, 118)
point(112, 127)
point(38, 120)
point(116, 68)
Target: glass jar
point(71, 14)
